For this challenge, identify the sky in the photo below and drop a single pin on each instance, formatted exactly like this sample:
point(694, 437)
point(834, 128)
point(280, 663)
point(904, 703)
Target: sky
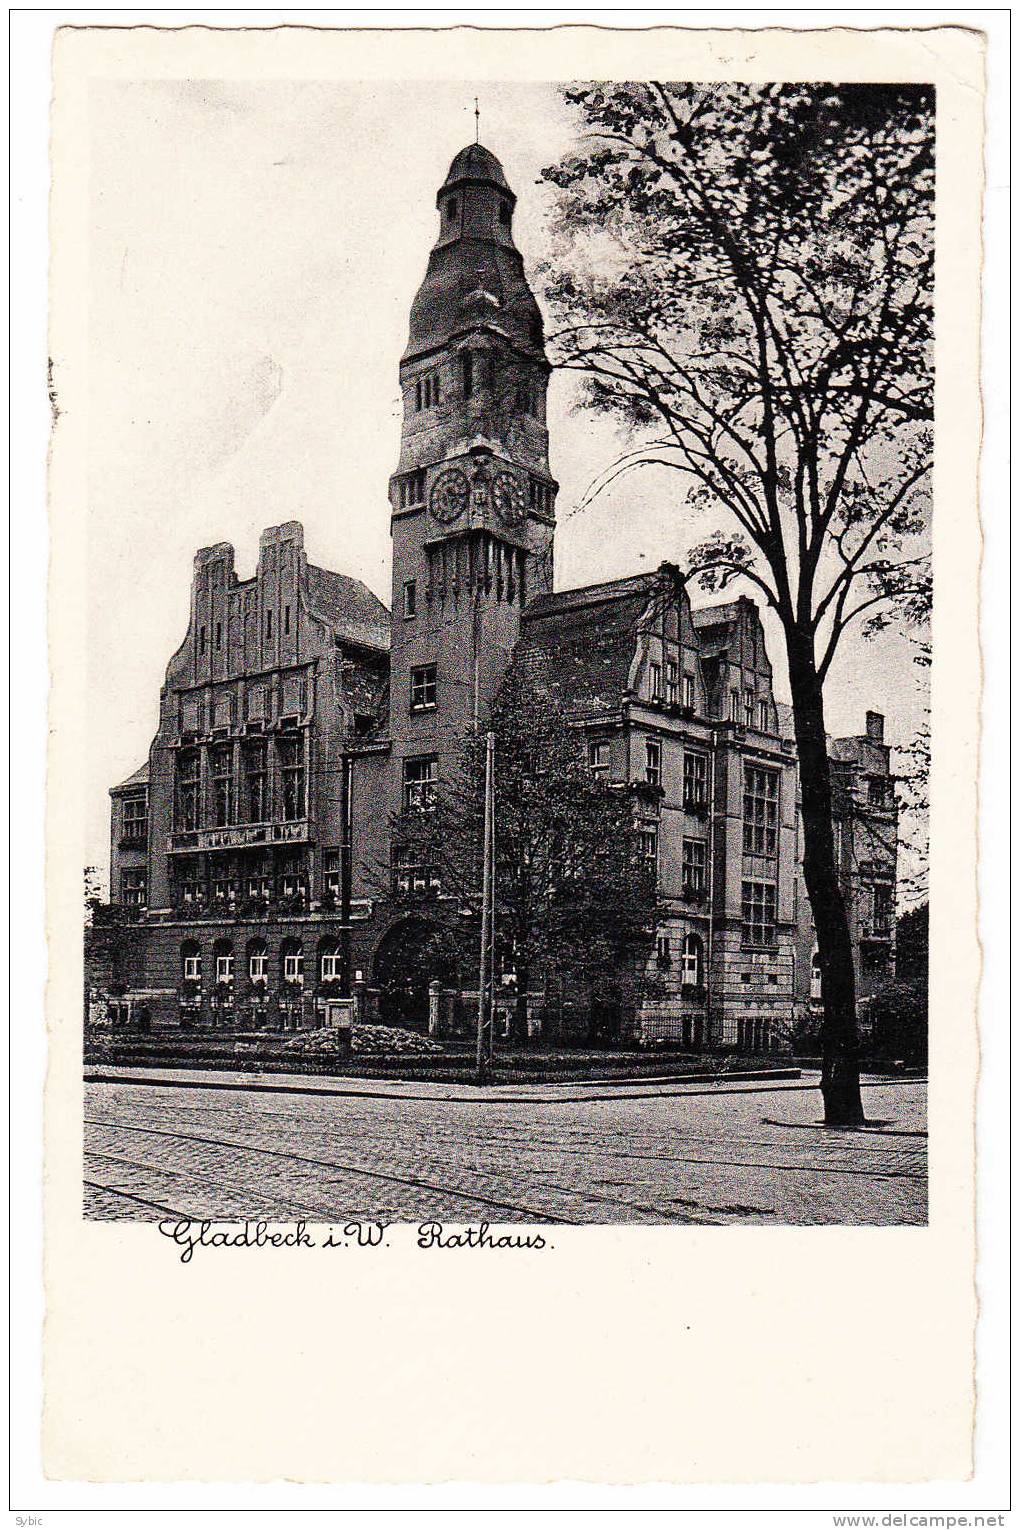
point(253, 254)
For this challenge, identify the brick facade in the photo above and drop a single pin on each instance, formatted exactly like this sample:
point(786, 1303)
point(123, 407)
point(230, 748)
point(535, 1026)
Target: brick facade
point(298, 706)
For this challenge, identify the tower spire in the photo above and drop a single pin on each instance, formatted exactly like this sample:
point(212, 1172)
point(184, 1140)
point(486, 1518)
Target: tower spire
point(477, 115)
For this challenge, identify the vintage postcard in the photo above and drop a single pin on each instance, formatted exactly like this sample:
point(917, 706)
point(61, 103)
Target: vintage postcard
point(515, 717)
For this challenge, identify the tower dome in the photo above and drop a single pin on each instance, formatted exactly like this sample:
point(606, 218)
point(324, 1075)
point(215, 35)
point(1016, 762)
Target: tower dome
point(475, 278)
point(475, 164)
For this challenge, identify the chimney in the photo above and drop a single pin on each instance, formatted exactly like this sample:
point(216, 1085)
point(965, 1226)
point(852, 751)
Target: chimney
point(874, 726)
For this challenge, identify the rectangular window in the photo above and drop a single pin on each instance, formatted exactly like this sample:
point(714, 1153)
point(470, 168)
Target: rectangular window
point(467, 368)
point(201, 640)
point(221, 773)
point(331, 871)
point(410, 597)
point(224, 889)
point(882, 907)
point(256, 782)
point(423, 688)
point(258, 966)
point(655, 681)
point(132, 888)
point(876, 791)
point(734, 706)
point(225, 968)
point(188, 777)
point(694, 867)
point(673, 683)
point(192, 969)
point(690, 962)
point(291, 756)
point(540, 496)
point(260, 889)
point(748, 709)
point(286, 621)
point(758, 913)
point(411, 489)
point(426, 392)
point(294, 967)
point(653, 762)
point(219, 634)
point(135, 821)
point(763, 716)
point(662, 952)
point(648, 840)
point(420, 782)
point(293, 880)
point(598, 758)
point(689, 691)
point(269, 626)
point(695, 781)
point(761, 810)
point(410, 875)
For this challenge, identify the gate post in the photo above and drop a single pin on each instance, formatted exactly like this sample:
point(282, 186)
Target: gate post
point(435, 1022)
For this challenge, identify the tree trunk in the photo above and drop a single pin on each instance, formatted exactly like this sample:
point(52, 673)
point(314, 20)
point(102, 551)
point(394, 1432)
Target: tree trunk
point(841, 1083)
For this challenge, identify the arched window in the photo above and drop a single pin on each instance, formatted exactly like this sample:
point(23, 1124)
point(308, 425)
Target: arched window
point(816, 977)
point(692, 966)
point(330, 961)
point(223, 958)
point(191, 962)
point(258, 961)
point(292, 961)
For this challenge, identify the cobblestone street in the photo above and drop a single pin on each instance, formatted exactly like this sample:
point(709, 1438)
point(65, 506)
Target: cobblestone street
point(648, 1153)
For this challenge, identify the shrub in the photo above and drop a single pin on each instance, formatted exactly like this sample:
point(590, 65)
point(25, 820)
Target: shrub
point(899, 1018)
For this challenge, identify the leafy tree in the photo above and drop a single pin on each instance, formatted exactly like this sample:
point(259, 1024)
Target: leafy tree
point(744, 275)
point(575, 897)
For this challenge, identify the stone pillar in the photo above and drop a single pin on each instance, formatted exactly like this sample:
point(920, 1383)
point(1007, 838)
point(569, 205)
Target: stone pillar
point(435, 1022)
point(359, 990)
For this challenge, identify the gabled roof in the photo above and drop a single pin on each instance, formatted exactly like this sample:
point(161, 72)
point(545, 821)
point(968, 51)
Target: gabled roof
point(349, 607)
point(579, 644)
point(140, 777)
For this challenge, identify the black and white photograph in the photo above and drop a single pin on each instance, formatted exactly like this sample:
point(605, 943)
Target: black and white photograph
point(510, 677)
point(514, 683)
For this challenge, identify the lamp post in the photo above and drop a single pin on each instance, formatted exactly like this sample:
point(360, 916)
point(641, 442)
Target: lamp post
point(483, 1050)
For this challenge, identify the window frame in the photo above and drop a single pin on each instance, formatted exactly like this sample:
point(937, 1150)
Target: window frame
point(653, 762)
point(694, 867)
point(410, 599)
point(599, 766)
point(758, 932)
point(423, 687)
point(695, 801)
point(429, 779)
point(760, 833)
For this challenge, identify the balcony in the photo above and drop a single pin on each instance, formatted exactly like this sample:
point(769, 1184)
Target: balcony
point(238, 836)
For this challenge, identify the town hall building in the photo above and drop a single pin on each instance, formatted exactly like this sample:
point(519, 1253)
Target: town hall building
point(300, 716)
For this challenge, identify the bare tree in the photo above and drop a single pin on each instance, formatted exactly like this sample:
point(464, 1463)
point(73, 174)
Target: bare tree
point(744, 274)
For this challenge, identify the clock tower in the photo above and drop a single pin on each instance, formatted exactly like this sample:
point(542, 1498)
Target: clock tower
point(472, 499)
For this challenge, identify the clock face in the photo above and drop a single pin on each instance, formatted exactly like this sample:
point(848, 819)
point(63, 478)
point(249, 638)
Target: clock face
point(508, 499)
point(449, 495)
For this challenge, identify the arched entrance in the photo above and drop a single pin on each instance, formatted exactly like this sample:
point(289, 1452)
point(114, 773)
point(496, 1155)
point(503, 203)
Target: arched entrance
point(409, 956)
